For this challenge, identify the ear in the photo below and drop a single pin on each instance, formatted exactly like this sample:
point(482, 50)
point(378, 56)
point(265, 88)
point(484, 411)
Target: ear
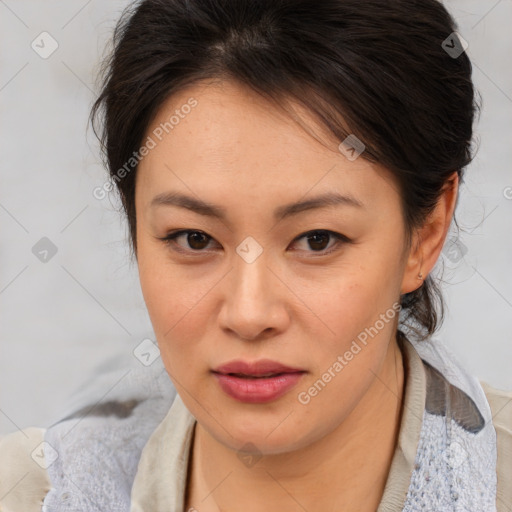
point(428, 240)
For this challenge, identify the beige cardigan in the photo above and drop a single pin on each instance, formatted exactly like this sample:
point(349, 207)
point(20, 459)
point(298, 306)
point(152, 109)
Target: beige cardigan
point(160, 481)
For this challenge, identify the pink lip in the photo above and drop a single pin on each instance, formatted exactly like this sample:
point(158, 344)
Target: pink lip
point(243, 388)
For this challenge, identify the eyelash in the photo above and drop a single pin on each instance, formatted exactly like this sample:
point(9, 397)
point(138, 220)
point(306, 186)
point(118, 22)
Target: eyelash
point(340, 240)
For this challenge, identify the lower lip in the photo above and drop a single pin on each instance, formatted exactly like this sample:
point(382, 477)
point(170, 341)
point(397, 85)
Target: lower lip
point(259, 390)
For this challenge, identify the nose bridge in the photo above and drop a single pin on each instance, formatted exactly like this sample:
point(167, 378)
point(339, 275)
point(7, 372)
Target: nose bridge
point(251, 307)
point(251, 270)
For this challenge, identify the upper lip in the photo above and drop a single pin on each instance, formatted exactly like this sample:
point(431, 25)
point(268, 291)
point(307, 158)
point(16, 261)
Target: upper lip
point(256, 368)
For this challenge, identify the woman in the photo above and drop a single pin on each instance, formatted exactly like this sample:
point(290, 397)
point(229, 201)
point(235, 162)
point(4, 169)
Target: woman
point(289, 172)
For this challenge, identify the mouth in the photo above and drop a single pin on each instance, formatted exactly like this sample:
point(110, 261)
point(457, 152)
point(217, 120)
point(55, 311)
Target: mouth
point(262, 368)
point(259, 382)
point(246, 376)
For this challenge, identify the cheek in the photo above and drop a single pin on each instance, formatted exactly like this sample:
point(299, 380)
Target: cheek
point(174, 331)
point(176, 300)
point(352, 298)
point(346, 357)
point(168, 292)
point(356, 309)
point(170, 304)
point(355, 333)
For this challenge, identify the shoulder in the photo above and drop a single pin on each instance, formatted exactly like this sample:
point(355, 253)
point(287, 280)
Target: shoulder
point(500, 402)
point(24, 481)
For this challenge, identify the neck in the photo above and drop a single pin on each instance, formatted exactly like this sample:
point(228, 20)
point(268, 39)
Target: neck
point(345, 470)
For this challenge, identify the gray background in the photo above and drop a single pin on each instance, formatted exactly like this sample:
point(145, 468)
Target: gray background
point(63, 319)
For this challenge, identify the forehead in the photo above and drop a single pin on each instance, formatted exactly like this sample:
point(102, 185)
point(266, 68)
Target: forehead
point(233, 141)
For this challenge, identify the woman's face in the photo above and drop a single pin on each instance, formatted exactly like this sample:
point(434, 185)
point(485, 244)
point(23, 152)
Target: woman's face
point(249, 283)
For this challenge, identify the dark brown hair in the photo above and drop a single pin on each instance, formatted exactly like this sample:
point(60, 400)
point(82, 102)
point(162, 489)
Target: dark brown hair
point(376, 69)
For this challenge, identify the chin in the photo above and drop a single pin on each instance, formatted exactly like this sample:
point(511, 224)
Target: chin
point(264, 436)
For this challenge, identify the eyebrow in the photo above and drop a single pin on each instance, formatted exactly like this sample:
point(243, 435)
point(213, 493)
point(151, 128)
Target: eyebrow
point(280, 213)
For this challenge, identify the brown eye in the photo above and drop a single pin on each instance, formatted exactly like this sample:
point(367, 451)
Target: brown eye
point(196, 240)
point(318, 241)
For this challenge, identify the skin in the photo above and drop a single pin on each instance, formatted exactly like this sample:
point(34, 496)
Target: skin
point(294, 304)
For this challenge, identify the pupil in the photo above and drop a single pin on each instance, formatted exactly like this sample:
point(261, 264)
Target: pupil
point(192, 242)
point(321, 235)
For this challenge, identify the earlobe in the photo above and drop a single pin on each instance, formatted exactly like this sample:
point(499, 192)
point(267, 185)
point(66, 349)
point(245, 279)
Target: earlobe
point(428, 240)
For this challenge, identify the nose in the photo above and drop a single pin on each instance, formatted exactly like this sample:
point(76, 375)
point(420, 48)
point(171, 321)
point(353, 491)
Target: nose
point(254, 304)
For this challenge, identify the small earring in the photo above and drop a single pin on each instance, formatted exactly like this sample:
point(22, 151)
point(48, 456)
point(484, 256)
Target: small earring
point(420, 275)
